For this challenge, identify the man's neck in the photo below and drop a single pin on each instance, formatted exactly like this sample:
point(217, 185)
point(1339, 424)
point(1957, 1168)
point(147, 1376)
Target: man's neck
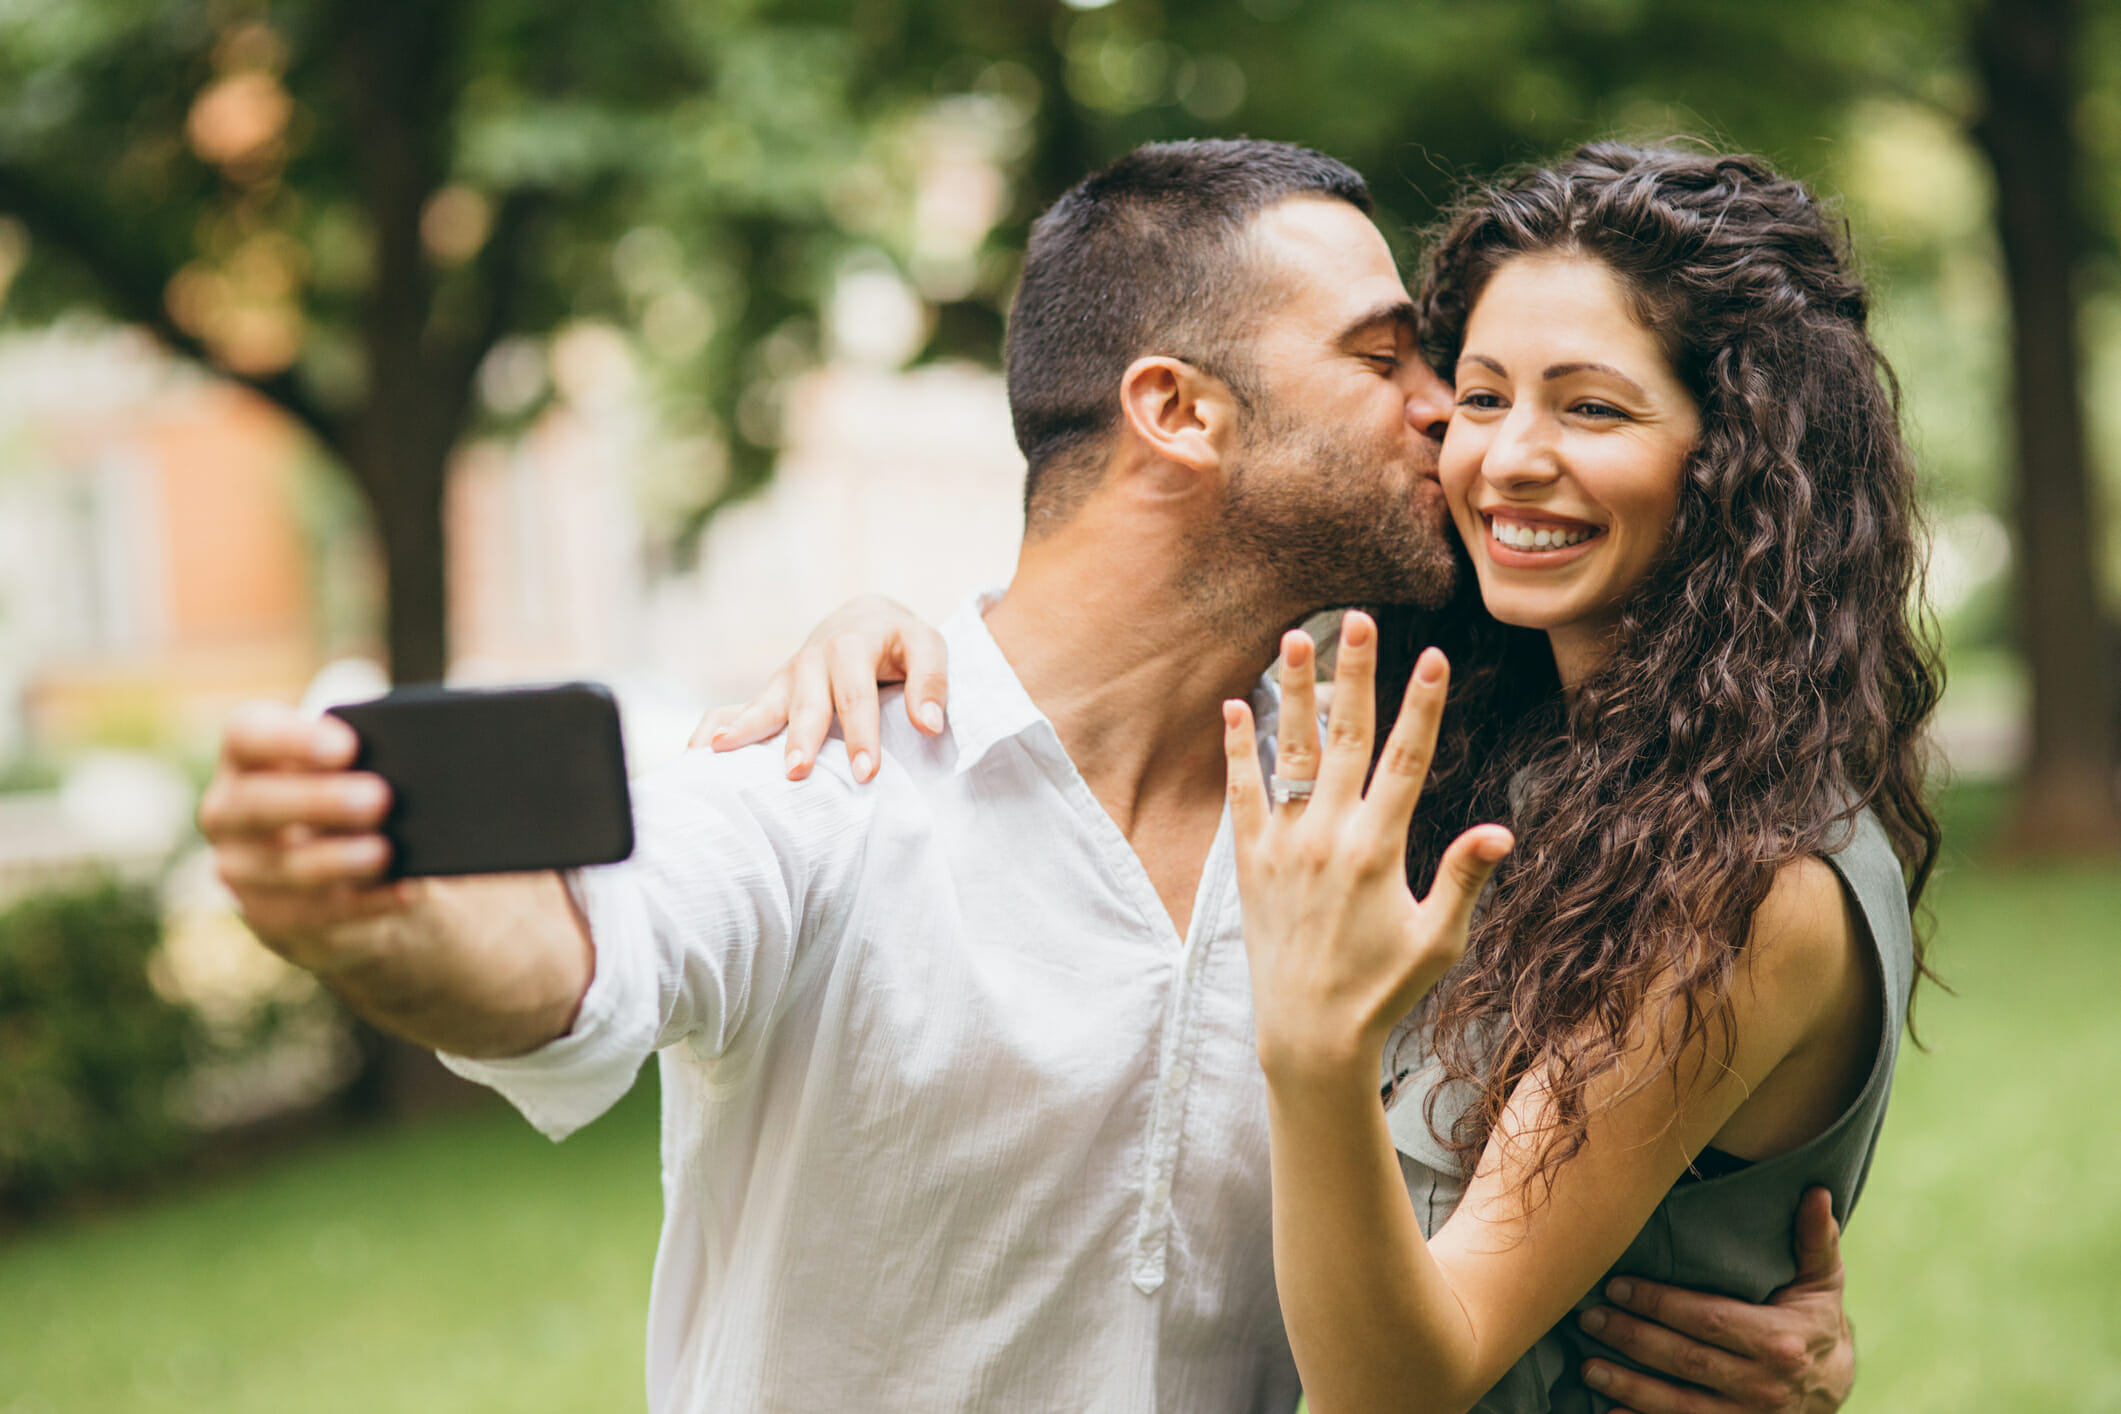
point(1128, 666)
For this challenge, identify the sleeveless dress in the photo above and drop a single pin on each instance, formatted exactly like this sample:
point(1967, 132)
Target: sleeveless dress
point(1729, 1233)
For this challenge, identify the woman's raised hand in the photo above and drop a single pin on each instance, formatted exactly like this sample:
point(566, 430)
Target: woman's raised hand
point(1339, 946)
point(862, 644)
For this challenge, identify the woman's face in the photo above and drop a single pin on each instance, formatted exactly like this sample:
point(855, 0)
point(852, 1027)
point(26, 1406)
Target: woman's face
point(1564, 452)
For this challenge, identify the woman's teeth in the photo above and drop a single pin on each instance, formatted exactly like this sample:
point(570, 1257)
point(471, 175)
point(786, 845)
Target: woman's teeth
point(1537, 537)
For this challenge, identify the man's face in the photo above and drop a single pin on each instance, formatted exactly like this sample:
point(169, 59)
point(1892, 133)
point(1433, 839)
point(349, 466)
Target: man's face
point(1334, 490)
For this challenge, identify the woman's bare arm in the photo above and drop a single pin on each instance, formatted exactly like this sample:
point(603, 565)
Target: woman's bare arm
point(1379, 1318)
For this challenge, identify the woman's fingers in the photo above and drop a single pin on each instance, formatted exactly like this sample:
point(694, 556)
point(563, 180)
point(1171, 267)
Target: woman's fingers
point(1344, 761)
point(1248, 797)
point(754, 721)
point(1404, 763)
point(927, 677)
point(1296, 738)
point(713, 729)
point(853, 666)
point(809, 710)
point(1460, 876)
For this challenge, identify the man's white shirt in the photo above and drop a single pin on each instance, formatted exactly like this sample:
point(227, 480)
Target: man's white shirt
point(952, 1118)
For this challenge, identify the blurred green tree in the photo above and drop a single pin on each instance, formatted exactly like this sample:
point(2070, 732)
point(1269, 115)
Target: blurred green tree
point(348, 205)
point(355, 206)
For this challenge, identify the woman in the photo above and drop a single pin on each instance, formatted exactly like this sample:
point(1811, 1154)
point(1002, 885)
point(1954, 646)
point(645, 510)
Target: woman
point(1688, 681)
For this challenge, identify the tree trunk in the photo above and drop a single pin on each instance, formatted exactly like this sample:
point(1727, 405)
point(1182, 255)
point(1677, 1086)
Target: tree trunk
point(2024, 53)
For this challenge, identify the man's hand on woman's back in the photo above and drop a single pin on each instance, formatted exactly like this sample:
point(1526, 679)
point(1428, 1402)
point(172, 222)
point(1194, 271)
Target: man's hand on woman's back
point(1792, 1354)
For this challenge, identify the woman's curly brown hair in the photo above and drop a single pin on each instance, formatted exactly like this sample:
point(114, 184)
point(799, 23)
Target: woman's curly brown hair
point(1769, 679)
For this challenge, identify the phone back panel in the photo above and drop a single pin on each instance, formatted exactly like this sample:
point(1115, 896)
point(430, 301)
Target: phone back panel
point(498, 781)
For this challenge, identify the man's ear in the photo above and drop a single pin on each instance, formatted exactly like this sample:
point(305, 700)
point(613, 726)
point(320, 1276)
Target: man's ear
point(1182, 414)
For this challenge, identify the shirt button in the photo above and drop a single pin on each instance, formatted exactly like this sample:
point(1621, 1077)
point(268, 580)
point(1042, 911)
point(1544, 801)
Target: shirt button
point(1178, 1077)
point(1163, 1190)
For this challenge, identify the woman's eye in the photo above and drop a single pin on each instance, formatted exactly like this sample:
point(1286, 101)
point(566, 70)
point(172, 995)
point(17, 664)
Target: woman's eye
point(1591, 408)
point(1479, 399)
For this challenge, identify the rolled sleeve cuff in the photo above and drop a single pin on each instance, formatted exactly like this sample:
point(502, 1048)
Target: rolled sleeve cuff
point(572, 1079)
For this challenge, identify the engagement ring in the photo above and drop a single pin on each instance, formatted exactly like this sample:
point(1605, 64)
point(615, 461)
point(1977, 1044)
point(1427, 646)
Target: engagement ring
point(1281, 789)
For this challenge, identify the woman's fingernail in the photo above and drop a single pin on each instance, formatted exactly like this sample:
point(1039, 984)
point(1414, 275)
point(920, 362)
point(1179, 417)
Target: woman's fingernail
point(861, 765)
point(932, 716)
point(795, 763)
point(1428, 669)
point(1355, 629)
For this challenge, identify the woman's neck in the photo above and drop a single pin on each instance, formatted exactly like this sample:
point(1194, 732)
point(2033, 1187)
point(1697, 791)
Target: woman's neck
point(1579, 650)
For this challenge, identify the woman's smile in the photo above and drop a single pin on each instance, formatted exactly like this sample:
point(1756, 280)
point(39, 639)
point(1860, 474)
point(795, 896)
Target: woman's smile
point(1532, 540)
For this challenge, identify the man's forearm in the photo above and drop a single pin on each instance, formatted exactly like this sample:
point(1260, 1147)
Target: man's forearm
point(484, 967)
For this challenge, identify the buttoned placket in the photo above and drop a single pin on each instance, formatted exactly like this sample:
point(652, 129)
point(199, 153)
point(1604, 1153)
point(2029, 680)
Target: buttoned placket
point(1176, 1053)
point(1179, 1041)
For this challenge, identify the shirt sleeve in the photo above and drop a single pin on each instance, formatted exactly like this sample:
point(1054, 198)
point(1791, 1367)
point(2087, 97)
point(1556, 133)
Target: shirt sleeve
point(737, 873)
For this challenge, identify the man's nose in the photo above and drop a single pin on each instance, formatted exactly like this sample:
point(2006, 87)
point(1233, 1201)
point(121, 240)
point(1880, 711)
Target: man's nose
point(1429, 400)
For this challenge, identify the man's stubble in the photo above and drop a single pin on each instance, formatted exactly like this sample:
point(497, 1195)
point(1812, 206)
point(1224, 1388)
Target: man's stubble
point(1318, 519)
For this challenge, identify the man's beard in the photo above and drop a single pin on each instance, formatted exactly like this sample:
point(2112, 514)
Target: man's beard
point(1318, 520)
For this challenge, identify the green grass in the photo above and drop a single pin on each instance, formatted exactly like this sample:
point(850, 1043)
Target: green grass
point(463, 1265)
point(469, 1266)
point(1985, 1260)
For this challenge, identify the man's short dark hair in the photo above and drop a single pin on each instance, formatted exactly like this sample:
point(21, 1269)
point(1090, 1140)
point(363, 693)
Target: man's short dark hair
point(1144, 257)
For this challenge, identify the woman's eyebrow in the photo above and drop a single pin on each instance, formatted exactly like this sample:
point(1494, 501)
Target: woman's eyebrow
point(1490, 364)
point(1563, 370)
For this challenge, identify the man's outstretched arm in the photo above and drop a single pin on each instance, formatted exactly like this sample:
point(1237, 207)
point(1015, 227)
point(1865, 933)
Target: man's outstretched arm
point(483, 967)
point(1793, 1354)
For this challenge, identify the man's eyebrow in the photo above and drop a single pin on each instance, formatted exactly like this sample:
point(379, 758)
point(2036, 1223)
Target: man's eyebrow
point(1399, 315)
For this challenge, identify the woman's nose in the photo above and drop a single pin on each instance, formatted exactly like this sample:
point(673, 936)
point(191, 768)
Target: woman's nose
point(1522, 454)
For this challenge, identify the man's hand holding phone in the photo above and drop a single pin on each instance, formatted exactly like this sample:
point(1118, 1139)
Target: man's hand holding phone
point(490, 965)
point(297, 836)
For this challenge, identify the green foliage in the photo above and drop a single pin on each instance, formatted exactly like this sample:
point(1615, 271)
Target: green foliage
point(88, 1050)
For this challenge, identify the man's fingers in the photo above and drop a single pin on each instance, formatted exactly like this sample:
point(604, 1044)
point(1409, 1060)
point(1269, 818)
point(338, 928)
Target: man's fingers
point(260, 802)
point(1818, 1240)
point(309, 862)
point(1667, 1352)
point(1712, 1320)
point(1633, 1392)
point(1296, 732)
point(1404, 763)
point(853, 665)
point(927, 678)
point(1248, 796)
point(270, 736)
point(1344, 761)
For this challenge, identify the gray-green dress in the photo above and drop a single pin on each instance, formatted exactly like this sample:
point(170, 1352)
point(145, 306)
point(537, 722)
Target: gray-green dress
point(1730, 1234)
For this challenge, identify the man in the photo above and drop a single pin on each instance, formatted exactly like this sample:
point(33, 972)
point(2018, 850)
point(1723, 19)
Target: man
point(961, 1105)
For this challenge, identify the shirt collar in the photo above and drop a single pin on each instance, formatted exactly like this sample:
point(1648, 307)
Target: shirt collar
point(988, 704)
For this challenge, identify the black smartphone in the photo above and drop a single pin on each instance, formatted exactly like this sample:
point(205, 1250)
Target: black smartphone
point(497, 781)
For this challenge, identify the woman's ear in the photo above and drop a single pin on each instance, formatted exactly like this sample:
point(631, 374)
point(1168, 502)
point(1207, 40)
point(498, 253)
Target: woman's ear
point(1180, 413)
